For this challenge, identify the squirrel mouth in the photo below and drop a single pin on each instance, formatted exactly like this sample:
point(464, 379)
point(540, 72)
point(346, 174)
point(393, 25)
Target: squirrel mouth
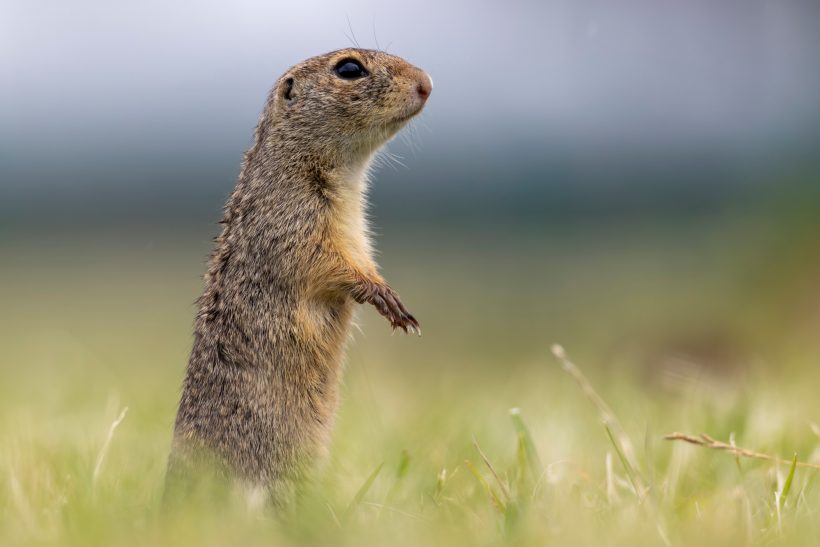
point(406, 117)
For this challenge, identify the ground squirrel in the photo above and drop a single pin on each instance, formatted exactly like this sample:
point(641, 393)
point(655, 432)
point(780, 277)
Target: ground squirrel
point(260, 392)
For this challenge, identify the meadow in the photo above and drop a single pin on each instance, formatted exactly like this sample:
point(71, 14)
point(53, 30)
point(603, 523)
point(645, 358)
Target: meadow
point(474, 434)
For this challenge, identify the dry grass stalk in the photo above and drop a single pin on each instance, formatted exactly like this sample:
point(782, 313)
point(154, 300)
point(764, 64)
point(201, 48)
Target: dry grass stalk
point(106, 444)
point(620, 440)
point(498, 480)
point(706, 441)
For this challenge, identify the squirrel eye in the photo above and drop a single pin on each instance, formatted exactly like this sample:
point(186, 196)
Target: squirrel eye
point(350, 69)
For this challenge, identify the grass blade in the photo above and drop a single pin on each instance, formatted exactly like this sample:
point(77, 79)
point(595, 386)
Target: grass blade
point(630, 471)
point(362, 492)
point(504, 489)
point(524, 434)
point(404, 464)
point(617, 434)
point(787, 486)
point(104, 450)
point(489, 489)
point(441, 478)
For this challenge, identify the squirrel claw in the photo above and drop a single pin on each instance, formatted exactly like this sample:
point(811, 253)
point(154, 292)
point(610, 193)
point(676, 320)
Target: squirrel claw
point(387, 303)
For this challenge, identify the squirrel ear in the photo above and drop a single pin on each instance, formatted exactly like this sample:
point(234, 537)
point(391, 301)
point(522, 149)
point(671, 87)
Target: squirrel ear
point(287, 90)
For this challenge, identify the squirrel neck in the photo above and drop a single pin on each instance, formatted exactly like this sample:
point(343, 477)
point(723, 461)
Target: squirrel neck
point(285, 170)
point(336, 174)
point(284, 188)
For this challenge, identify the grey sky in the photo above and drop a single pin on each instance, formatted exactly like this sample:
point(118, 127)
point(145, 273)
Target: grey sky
point(84, 79)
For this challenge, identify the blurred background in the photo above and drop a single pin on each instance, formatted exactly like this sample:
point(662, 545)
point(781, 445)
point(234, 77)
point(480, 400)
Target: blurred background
point(638, 180)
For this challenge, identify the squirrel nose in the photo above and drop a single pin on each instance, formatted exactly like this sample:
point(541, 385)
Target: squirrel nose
point(424, 87)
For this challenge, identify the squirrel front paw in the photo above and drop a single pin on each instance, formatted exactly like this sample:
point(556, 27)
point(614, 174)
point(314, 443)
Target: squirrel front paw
point(387, 302)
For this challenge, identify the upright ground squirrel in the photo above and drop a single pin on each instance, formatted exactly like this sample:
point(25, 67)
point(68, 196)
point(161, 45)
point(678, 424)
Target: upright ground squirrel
point(261, 387)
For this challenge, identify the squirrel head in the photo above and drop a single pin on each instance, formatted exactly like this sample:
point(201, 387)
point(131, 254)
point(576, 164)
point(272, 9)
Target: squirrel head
point(344, 105)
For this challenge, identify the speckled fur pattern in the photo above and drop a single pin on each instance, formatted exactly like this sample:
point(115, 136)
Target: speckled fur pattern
point(261, 387)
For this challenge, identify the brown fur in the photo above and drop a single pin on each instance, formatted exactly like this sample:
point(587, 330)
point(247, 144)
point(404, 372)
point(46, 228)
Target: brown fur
point(261, 386)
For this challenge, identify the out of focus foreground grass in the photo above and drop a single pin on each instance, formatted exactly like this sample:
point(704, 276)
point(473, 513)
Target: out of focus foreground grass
point(701, 326)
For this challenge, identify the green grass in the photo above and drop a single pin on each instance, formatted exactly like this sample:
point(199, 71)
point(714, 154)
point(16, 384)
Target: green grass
point(426, 450)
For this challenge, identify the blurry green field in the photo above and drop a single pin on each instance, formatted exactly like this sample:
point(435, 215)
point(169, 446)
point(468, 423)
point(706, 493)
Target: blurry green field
point(685, 330)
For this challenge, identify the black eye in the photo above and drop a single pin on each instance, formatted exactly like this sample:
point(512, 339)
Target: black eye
point(350, 69)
